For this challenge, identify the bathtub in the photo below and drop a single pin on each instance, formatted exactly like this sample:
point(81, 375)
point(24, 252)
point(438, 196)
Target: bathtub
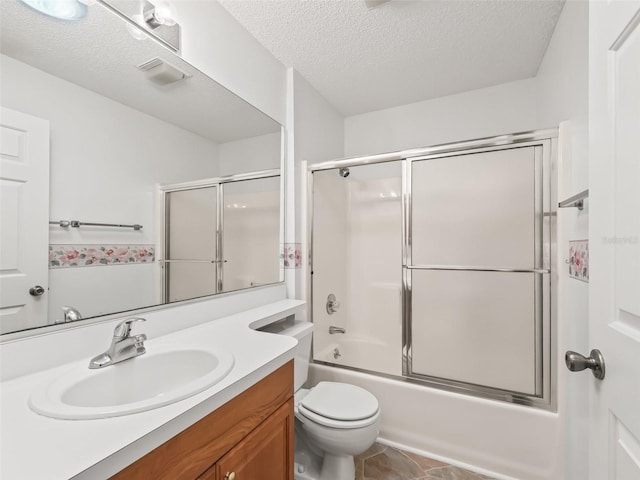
point(362, 351)
point(501, 440)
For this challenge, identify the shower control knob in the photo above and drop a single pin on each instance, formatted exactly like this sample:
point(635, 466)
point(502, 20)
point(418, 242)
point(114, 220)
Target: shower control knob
point(36, 291)
point(332, 304)
point(595, 362)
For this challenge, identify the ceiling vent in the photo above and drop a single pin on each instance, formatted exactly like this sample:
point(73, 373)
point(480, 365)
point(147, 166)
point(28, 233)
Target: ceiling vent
point(162, 73)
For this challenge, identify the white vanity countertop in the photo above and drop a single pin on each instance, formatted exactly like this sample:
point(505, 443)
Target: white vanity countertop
point(37, 447)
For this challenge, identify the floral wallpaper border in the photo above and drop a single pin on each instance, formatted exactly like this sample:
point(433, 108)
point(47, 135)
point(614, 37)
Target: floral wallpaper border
point(291, 255)
point(64, 255)
point(579, 260)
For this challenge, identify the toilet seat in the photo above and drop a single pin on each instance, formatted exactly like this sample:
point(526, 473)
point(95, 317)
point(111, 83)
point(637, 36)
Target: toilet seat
point(339, 405)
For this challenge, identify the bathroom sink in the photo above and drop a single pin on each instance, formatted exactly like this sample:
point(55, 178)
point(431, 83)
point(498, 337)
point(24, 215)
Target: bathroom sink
point(164, 375)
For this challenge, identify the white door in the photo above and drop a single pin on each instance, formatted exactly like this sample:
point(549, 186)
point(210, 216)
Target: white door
point(24, 217)
point(614, 191)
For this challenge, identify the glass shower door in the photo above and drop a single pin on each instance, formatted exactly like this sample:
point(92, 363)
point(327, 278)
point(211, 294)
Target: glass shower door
point(476, 269)
point(190, 266)
point(250, 233)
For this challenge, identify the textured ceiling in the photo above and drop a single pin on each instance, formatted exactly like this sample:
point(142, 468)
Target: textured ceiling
point(403, 51)
point(99, 54)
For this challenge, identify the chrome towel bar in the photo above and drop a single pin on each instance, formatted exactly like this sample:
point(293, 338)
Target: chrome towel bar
point(575, 201)
point(78, 224)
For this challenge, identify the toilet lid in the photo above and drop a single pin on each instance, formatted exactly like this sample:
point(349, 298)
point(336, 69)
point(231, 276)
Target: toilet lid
point(340, 401)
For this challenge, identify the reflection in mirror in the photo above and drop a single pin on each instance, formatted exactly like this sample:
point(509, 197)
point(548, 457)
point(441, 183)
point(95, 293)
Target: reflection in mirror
point(82, 121)
point(221, 235)
point(250, 234)
point(190, 257)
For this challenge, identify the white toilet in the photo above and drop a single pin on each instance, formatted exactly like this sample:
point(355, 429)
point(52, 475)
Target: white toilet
point(334, 421)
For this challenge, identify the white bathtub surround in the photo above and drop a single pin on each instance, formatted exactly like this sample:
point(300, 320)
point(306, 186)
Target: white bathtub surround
point(117, 442)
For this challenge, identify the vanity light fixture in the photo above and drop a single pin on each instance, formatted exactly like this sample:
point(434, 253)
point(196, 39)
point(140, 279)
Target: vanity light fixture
point(159, 13)
point(60, 9)
point(158, 19)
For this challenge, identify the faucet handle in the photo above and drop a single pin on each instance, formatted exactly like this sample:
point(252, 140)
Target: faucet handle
point(123, 329)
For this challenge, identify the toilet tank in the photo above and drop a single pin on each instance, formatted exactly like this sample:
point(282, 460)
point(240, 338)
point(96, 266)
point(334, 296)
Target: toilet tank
point(301, 331)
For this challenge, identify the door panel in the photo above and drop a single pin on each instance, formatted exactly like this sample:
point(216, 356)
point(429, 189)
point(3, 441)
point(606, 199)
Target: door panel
point(476, 209)
point(476, 327)
point(625, 463)
point(266, 453)
point(191, 237)
point(614, 306)
point(24, 231)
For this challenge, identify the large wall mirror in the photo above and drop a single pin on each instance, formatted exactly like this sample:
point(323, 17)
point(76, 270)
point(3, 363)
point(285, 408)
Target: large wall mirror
point(128, 178)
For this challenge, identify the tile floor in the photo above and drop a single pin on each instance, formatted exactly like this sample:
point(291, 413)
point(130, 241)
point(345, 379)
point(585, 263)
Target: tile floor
point(387, 463)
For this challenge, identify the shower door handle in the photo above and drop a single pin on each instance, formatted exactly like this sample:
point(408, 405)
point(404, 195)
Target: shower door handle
point(595, 362)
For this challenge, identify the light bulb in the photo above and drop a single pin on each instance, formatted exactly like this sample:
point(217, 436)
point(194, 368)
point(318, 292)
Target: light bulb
point(164, 13)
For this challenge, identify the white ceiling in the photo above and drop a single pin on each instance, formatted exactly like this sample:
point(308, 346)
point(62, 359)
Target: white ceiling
point(403, 51)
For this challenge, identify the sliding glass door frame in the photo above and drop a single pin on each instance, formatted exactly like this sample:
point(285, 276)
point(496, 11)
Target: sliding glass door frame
point(545, 267)
point(218, 183)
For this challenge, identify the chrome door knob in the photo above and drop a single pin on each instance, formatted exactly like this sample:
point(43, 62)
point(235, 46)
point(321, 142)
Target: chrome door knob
point(36, 291)
point(595, 362)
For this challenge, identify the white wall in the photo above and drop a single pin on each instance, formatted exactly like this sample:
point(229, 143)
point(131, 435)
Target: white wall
point(562, 93)
point(315, 133)
point(506, 108)
point(215, 43)
point(251, 154)
point(106, 162)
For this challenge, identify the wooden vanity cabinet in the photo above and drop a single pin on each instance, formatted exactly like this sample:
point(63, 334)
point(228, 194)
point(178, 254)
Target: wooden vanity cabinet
point(261, 455)
point(248, 438)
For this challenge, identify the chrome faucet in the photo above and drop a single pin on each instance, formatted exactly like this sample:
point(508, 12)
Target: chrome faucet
point(70, 315)
point(123, 345)
point(333, 330)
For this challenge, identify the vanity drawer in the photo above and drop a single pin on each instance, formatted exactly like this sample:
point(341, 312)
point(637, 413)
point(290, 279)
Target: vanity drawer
point(195, 450)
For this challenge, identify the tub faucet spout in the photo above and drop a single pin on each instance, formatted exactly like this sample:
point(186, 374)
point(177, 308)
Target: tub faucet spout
point(333, 330)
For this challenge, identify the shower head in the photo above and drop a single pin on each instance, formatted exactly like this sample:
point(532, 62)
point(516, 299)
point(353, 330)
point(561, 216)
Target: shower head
point(343, 172)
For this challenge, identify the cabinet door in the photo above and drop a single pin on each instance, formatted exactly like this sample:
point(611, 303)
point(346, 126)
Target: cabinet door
point(265, 454)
